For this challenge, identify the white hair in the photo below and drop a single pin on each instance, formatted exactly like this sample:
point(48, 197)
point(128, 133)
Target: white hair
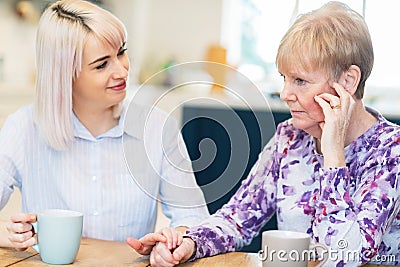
point(62, 32)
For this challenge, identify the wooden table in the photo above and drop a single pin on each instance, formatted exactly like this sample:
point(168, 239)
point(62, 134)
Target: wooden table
point(94, 252)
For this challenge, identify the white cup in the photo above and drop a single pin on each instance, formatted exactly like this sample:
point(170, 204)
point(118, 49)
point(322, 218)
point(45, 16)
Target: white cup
point(59, 235)
point(286, 249)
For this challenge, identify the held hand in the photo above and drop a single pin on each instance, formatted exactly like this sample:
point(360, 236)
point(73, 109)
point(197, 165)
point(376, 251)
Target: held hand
point(145, 244)
point(20, 229)
point(161, 256)
point(174, 237)
point(185, 250)
point(337, 111)
point(161, 253)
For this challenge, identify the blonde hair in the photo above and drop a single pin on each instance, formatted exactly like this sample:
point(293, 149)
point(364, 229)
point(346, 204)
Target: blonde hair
point(63, 30)
point(331, 38)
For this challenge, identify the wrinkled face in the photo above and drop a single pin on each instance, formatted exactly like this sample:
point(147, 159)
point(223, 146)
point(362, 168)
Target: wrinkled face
point(101, 83)
point(299, 89)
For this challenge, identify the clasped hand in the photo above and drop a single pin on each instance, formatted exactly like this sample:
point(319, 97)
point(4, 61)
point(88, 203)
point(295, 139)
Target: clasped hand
point(166, 247)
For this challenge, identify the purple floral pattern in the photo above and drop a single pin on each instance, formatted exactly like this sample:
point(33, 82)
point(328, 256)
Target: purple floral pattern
point(358, 203)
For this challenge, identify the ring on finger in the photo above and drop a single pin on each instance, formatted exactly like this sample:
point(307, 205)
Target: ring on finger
point(338, 106)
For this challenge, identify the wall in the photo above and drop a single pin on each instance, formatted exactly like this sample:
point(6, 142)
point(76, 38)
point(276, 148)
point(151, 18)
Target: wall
point(17, 47)
point(158, 31)
point(162, 30)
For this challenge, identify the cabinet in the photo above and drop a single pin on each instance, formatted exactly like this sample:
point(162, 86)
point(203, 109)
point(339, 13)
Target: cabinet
point(223, 145)
point(393, 119)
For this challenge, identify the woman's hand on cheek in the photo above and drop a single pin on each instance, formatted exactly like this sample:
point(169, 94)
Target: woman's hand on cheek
point(337, 111)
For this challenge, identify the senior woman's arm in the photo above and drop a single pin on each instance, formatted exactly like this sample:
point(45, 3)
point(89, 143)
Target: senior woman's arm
point(349, 221)
point(238, 221)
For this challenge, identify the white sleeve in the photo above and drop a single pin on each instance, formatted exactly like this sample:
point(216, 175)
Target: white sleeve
point(10, 158)
point(182, 199)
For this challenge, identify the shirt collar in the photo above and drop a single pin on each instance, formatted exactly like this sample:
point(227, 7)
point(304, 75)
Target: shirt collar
point(82, 132)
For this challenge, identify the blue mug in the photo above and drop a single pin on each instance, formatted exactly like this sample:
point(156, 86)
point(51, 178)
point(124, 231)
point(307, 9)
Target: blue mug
point(59, 234)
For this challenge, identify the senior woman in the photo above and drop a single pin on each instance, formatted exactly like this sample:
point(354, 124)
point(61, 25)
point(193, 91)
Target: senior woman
point(332, 169)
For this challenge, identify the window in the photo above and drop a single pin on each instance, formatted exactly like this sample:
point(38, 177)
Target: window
point(252, 30)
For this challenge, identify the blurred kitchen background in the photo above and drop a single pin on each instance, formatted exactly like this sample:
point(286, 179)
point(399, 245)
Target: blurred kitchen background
point(241, 33)
point(166, 32)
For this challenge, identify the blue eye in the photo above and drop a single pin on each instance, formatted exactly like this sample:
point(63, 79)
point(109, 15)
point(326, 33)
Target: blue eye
point(121, 52)
point(102, 66)
point(299, 81)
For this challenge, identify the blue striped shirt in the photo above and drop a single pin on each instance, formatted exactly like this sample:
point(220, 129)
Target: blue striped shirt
point(115, 179)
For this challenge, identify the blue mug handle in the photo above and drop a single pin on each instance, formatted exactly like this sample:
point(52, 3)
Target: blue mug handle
point(36, 246)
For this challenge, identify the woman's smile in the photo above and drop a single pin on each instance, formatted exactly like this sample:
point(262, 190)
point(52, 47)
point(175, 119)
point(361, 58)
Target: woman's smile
point(118, 87)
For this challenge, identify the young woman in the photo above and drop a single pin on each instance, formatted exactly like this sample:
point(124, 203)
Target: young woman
point(66, 151)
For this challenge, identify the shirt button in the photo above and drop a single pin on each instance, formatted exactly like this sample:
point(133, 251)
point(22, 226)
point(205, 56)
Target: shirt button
point(94, 178)
point(95, 213)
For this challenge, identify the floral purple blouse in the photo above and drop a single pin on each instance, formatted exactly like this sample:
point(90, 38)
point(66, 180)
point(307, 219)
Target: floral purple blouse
point(353, 208)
